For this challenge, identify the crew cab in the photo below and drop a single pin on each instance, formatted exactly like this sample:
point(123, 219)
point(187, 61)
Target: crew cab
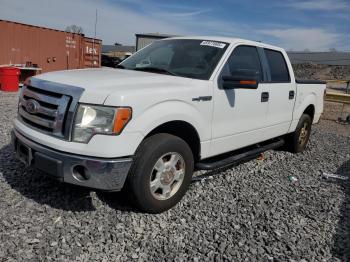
point(178, 105)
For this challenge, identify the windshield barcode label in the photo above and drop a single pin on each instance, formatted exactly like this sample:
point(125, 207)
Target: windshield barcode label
point(213, 44)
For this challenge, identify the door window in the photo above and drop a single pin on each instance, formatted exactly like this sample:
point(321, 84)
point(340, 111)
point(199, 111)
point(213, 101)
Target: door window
point(242, 59)
point(278, 67)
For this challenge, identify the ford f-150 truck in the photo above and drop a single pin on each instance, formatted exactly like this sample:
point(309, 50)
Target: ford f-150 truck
point(177, 105)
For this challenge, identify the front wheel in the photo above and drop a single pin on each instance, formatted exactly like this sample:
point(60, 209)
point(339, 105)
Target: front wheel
point(161, 173)
point(297, 141)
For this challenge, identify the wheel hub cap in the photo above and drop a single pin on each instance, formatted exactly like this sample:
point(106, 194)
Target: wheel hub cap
point(167, 176)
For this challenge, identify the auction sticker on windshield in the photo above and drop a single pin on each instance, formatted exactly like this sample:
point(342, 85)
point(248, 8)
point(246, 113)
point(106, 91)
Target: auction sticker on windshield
point(213, 44)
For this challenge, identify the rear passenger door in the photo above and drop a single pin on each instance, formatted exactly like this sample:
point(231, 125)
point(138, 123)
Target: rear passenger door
point(282, 92)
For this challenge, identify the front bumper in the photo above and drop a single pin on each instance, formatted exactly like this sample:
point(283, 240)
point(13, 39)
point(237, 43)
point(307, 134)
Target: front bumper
point(93, 172)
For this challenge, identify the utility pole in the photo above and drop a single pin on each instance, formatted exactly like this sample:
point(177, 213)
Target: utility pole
point(93, 41)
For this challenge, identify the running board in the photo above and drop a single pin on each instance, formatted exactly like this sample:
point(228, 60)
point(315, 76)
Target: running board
point(233, 159)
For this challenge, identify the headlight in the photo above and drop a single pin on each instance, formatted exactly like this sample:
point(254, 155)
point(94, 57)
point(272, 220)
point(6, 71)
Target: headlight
point(90, 120)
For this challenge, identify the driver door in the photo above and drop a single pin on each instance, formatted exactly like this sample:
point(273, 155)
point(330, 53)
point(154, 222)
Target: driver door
point(240, 114)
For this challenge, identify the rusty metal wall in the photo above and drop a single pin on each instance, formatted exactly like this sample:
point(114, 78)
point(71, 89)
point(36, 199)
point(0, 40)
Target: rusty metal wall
point(49, 49)
point(92, 52)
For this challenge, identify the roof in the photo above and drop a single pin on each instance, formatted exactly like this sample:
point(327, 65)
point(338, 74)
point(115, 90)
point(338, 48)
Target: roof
point(117, 48)
point(229, 40)
point(329, 58)
point(47, 28)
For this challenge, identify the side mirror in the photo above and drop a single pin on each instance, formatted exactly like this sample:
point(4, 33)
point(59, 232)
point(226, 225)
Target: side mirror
point(246, 78)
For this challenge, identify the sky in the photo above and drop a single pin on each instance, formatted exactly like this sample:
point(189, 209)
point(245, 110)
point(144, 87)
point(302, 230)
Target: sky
point(316, 25)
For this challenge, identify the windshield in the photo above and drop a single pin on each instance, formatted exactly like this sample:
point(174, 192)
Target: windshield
point(181, 57)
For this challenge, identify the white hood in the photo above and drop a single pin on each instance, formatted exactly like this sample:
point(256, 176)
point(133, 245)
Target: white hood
point(100, 83)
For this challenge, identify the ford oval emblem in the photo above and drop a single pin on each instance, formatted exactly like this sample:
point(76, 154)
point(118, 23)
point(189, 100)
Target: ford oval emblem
point(32, 106)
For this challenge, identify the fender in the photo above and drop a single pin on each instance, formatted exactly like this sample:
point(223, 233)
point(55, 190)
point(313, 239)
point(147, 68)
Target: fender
point(301, 104)
point(170, 110)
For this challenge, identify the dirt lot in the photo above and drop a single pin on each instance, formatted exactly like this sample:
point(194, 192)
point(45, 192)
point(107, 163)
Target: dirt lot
point(252, 212)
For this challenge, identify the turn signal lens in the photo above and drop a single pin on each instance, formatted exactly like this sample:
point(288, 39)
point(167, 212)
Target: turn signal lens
point(247, 82)
point(122, 117)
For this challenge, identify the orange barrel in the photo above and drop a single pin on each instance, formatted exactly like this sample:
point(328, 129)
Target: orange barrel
point(9, 79)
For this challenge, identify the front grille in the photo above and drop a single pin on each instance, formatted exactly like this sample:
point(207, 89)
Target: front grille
point(44, 110)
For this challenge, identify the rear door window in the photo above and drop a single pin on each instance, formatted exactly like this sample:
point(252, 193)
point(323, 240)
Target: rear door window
point(278, 66)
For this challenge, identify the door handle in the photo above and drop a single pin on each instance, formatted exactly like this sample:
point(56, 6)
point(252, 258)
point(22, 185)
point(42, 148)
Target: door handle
point(202, 98)
point(291, 94)
point(265, 96)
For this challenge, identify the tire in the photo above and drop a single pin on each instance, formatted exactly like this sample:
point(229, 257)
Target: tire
point(296, 142)
point(161, 173)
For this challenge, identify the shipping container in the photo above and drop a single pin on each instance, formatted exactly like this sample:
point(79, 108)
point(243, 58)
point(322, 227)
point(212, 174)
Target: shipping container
point(47, 49)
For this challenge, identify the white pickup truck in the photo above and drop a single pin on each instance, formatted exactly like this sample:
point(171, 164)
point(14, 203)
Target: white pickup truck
point(178, 105)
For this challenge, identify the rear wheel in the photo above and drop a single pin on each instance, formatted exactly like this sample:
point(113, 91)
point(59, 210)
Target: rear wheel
point(297, 141)
point(161, 173)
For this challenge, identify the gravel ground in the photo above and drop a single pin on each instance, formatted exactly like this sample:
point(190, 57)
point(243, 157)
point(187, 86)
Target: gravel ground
point(251, 212)
point(325, 72)
point(334, 111)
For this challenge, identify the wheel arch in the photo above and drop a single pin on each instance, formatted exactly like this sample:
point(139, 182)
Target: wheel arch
point(183, 130)
point(310, 110)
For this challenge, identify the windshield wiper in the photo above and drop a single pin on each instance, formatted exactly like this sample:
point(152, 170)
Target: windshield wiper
point(155, 70)
point(120, 66)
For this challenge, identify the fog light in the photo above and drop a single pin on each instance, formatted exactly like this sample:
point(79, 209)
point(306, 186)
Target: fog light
point(80, 173)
